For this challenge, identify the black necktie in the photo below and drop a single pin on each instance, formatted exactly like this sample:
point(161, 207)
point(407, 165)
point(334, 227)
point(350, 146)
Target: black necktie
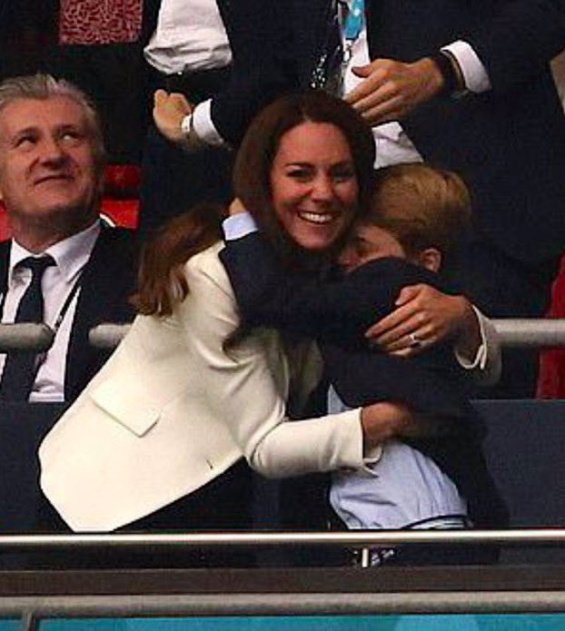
point(20, 367)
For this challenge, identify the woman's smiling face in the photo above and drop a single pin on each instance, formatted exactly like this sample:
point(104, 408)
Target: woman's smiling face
point(313, 184)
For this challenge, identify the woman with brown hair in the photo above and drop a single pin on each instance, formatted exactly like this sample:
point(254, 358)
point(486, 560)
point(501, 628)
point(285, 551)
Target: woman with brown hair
point(435, 477)
point(187, 395)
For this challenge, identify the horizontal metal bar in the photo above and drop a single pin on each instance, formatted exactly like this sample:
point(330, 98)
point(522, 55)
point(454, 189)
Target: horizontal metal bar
point(513, 332)
point(107, 335)
point(286, 604)
point(531, 332)
point(356, 538)
point(25, 336)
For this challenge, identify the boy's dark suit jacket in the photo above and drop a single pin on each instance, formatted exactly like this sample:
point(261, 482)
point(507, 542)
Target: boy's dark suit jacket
point(337, 314)
point(108, 279)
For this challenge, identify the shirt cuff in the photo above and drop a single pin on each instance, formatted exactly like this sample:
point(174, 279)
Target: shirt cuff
point(473, 70)
point(480, 359)
point(238, 226)
point(203, 125)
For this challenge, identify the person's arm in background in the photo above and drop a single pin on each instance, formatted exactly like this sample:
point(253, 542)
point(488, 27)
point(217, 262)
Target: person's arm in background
point(513, 43)
point(262, 68)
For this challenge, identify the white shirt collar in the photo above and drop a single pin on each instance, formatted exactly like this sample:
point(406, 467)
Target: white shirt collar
point(70, 254)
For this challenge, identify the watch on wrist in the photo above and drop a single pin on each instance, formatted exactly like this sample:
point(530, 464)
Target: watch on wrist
point(191, 139)
point(454, 81)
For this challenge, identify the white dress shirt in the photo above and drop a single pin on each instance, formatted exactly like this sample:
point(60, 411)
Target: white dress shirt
point(403, 489)
point(70, 256)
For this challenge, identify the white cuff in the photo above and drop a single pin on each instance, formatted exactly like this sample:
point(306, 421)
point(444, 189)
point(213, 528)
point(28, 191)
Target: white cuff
point(480, 359)
point(238, 226)
point(474, 72)
point(203, 125)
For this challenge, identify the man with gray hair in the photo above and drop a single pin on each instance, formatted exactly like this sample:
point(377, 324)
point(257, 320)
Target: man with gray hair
point(62, 266)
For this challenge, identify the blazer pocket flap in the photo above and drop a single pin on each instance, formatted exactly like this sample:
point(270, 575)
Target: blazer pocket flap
point(128, 404)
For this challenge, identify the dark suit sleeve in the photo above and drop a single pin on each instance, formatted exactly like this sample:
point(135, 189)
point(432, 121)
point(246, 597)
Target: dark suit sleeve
point(261, 40)
point(519, 39)
point(338, 311)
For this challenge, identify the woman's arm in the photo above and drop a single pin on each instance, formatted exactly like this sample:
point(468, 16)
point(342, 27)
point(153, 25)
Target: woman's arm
point(267, 296)
point(248, 387)
point(435, 317)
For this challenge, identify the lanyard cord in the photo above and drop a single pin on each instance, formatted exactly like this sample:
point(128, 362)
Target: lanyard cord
point(66, 305)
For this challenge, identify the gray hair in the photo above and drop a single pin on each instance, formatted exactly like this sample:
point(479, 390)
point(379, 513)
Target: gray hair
point(44, 86)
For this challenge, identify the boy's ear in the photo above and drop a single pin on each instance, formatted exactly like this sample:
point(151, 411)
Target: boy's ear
point(430, 258)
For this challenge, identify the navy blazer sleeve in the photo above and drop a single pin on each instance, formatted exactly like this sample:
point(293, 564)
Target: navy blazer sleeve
point(520, 38)
point(337, 314)
point(261, 40)
point(515, 39)
point(338, 310)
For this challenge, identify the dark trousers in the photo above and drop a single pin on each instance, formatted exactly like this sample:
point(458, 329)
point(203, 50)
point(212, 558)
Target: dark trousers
point(225, 503)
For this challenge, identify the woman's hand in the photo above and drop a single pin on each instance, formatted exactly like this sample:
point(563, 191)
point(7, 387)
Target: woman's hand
point(384, 420)
point(425, 316)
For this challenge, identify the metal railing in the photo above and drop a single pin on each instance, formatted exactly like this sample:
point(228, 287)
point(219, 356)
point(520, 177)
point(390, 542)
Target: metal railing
point(513, 332)
point(187, 601)
point(531, 332)
point(350, 538)
point(25, 337)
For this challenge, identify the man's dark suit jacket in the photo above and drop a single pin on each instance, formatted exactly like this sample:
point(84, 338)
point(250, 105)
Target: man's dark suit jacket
point(508, 143)
point(337, 314)
point(108, 279)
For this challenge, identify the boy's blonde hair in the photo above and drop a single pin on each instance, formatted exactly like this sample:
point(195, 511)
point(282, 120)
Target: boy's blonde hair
point(421, 206)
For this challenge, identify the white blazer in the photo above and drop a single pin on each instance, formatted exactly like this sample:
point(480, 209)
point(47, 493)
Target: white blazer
point(171, 410)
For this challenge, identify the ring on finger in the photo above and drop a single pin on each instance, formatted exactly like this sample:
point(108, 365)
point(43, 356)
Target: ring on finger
point(415, 341)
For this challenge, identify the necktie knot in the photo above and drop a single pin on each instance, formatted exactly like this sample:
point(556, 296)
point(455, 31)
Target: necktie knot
point(30, 308)
point(37, 264)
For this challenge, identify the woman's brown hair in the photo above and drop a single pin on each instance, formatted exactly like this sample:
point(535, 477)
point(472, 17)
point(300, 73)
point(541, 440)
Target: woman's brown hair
point(251, 176)
point(161, 281)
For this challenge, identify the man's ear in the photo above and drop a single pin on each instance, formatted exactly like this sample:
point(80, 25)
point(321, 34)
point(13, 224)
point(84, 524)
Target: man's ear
point(430, 258)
